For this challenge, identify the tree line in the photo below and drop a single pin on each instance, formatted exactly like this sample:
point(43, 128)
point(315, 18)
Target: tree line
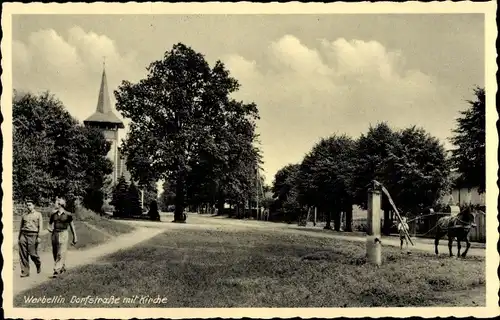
point(410, 163)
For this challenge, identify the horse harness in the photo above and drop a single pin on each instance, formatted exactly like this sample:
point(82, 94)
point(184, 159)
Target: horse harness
point(454, 222)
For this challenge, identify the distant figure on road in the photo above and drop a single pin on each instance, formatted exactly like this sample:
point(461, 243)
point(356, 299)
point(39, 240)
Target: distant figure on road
point(265, 214)
point(59, 222)
point(402, 229)
point(153, 211)
point(29, 238)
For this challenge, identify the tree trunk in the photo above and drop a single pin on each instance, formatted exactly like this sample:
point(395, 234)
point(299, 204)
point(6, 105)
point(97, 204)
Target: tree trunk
point(328, 220)
point(348, 218)
point(179, 215)
point(387, 222)
point(248, 213)
point(336, 217)
point(220, 206)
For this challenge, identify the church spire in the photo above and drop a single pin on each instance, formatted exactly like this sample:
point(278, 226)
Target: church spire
point(104, 102)
point(104, 114)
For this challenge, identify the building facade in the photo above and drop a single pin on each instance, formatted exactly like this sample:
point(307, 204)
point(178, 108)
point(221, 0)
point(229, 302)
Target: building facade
point(465, 196)
point(462, 193)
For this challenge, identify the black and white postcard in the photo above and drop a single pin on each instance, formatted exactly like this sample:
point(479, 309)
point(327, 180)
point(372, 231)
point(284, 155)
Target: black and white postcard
point(249, 160)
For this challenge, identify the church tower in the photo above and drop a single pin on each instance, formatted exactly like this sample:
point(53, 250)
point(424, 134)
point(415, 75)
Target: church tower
point(106, 120)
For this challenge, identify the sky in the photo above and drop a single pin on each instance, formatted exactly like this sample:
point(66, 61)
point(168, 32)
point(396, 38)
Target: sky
point(311, 76)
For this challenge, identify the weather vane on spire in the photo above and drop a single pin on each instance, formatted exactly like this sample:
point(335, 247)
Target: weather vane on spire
point(104, 61)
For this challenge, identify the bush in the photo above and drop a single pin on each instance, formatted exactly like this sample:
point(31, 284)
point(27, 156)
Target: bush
point(153, 211)
point(84, 214)
point(133, 201)
point(119, 201)
point(94, 200)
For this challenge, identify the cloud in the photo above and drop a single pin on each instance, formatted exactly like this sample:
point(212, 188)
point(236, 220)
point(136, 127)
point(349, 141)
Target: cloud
point(341, 86)
point(70, 66)
point(293, 55)
point(304, 92)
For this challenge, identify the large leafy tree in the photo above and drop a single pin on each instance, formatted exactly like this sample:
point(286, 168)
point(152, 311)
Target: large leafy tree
point(372, 152)
point(150, 193)
point(30, 162)
point(178, 114)
point(167, 113)
point(225, 170)
point(410, 163)
point(418, 170)
point(240, 182)
point(470, 140)
point(139, 166)
point(54, 154)
point(284, 181)
point(237, 184)
point(224, 167)
point(325, 177)
point(97, 167)
point(201, 189)
point(285, 191)
point(167, 196)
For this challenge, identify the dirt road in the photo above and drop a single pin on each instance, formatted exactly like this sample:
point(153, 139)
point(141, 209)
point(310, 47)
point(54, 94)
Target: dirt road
point(79, 258)
point(223, 223)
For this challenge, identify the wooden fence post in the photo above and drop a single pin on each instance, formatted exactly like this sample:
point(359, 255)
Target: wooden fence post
point(373, 241)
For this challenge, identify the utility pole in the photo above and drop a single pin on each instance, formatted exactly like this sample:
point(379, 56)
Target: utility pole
point(373, 240)
point(257, 192)
point(142, 199)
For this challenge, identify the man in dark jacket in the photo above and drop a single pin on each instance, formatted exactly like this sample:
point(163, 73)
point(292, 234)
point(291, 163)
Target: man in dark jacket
point(59, 222)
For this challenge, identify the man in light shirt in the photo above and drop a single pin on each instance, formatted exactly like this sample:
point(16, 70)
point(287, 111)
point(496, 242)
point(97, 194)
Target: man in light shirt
point(59, 222)
point(29, 238)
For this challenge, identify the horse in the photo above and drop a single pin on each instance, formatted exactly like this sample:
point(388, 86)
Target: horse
point(457, 227)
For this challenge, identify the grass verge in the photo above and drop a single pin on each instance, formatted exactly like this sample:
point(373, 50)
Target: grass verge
point(219, 269)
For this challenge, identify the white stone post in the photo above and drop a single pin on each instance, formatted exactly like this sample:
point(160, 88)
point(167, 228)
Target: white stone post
point(373, 241)
point(142, 199)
